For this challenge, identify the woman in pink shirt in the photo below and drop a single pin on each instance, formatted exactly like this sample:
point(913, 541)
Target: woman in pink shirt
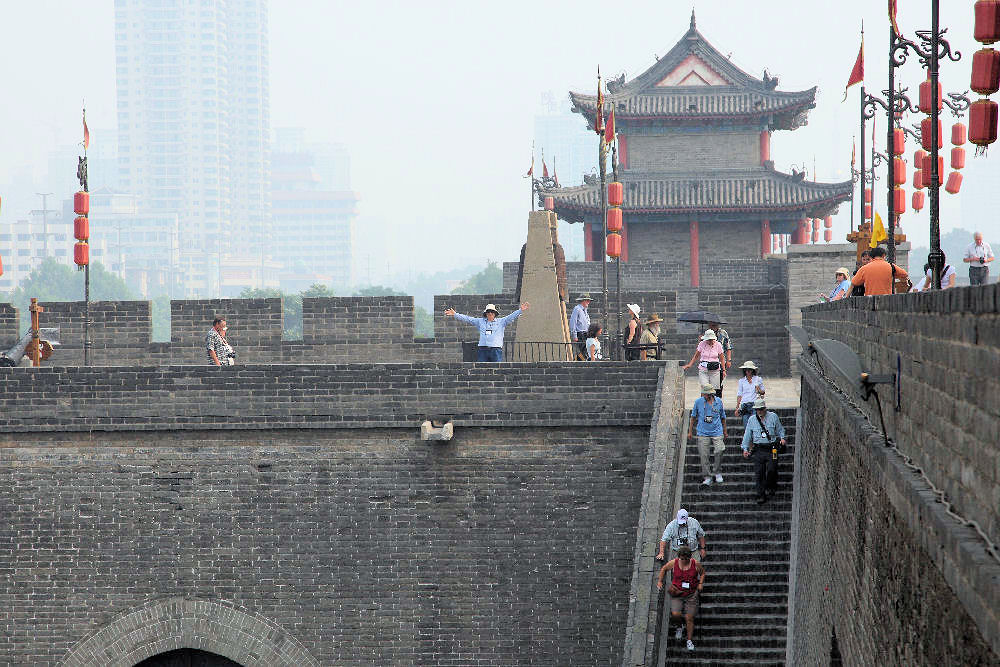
point(709, 352)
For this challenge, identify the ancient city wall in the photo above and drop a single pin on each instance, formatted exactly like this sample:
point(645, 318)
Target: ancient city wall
point(303, 495)
point(879, 559)
point(876, 560)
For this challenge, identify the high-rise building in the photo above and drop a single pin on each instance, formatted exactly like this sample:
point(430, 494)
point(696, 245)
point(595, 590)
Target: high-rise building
point(193, 127)
point(314, 211)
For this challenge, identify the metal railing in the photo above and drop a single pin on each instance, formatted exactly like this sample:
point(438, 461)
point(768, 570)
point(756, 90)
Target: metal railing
point(532, 351)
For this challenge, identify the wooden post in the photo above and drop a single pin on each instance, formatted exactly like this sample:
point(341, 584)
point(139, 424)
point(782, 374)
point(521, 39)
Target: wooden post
point(765, 237)
point(36, 343)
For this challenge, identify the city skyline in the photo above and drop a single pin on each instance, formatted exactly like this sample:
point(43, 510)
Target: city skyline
point(412, 113)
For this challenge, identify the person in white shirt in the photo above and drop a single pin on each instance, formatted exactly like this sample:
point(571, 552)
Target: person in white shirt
point(978, 255)
point(593, 344)
point(948, 277)
point(749, 389)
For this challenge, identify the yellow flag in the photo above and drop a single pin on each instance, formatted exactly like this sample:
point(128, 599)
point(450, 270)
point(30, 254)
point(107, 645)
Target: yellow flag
point(878, 231)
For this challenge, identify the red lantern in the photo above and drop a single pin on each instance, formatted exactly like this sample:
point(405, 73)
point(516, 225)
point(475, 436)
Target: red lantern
point(81, 228)
point(983, 122)
point(918, 200)
point(898, 171)
point(614, 219)
point(918, 178)
point(954, 182)
point(924, 98)
point(1, 266)
point(957, 157)
point(925, 134)
point(899, 201)
point(918, 158)
point(928, 163)
point(81, 253)
point(815, 236)
point(81, 203)
point(816, 222)
point(828, 222)
point(986, 71)
point(828, 235)
point(614, 245)
point(616, 194)
point(987, 28)
point(549, 203)
point(898, 141)
point(868, 211)
point(958, 134)
point(868, 195)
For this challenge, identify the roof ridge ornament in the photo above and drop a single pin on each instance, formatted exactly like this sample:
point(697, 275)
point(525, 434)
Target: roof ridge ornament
point(692, 18)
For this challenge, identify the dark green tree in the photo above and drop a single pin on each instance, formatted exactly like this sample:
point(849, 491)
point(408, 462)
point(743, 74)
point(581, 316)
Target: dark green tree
point(487, 281)
point(377, 290)
point(52, 281)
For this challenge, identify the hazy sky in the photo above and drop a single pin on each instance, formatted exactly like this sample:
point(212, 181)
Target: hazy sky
point(436, 100)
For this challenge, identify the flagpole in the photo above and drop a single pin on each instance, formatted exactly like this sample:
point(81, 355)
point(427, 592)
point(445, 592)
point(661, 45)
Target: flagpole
point(890, 152)
point(602, 170)
point(863, 173)
point(86, 267)
point(852, 177)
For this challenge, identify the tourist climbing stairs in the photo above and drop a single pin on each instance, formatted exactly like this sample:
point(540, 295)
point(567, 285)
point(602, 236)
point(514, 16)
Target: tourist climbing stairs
point(744, 608)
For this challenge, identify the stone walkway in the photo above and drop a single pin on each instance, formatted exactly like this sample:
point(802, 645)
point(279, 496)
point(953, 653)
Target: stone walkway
point(780, 392)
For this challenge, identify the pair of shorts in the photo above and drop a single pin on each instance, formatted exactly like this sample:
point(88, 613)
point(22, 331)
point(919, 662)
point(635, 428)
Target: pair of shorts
point(687, 606)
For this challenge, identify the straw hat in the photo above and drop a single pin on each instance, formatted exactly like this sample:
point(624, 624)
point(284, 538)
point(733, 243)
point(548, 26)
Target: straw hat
point(709, 335)
point(653, 319)
point(707, 389)
point(759, 404)
point(584, 297)
point(843, 271)
point(749, 364)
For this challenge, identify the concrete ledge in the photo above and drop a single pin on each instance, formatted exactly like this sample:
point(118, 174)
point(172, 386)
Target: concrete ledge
point(662, 462)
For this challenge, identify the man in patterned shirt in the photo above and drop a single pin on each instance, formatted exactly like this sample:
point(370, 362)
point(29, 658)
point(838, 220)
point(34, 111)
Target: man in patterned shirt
point(217, 348)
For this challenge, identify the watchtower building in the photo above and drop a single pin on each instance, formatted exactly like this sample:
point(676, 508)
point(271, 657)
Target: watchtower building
point(694, 135)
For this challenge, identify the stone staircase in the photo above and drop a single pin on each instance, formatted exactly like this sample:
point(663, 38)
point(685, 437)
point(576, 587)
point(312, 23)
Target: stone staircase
point(743, 613)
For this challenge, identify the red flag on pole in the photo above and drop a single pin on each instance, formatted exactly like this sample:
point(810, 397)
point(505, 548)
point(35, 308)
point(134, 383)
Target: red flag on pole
point(609, 129)
point(531, 169)
point(858, 73)
point(545, 169)
point(86, 131)
point(892, 18)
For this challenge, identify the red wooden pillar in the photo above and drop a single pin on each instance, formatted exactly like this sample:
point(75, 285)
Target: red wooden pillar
point(765, 237)
point(623, 152)
point(588, 242)
point(695, 268)
point(765, 146)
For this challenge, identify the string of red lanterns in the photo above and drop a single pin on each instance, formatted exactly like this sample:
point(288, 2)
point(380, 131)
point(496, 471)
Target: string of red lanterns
point(81, 228)
point(985, 76)
point(616, 196)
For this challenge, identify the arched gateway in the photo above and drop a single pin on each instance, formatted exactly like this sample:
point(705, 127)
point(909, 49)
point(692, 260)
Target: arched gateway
point(210, 629)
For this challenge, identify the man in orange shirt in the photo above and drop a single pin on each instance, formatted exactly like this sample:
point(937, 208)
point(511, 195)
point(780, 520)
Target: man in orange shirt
point(877, 276)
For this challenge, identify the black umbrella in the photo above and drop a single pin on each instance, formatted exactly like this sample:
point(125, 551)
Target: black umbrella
point(701, 317)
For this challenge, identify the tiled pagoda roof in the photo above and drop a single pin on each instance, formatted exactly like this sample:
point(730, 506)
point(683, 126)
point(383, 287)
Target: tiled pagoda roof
point(733, 94)
point(757, 190)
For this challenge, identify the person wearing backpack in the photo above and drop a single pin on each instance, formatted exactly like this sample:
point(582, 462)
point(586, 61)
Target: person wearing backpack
point(763, 437)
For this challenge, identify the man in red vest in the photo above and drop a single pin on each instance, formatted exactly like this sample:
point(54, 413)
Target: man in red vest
point(686, 582)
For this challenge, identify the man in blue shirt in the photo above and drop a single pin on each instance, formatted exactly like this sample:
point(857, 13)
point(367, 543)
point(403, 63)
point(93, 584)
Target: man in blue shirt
point(490, 329)
point(579, 324)
point(708, 421)
point(761, 439)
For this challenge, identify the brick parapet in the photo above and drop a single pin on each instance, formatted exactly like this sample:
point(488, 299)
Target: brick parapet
point(871, 536)
point(311, 396)
point(946, 345)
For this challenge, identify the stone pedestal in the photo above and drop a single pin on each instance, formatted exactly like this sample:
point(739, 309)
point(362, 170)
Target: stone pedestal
point(545, 322)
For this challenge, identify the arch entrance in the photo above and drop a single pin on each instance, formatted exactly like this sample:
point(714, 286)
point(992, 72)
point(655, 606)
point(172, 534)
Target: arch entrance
point(188, 657)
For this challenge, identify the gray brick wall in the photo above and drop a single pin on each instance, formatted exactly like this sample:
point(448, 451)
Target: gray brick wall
point(10, 326)
point(650, 241)
point(503, 546)
point(948, 347)
point(252, 322)
point(681, 151)
point(359, 319)
point(322, 396)
point(877, 559)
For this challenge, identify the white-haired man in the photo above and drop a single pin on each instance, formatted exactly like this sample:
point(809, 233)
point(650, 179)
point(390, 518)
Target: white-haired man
point(978, 256)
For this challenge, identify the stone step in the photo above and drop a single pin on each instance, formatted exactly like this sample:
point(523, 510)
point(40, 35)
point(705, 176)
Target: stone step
point(748, 639)
point(681, 656)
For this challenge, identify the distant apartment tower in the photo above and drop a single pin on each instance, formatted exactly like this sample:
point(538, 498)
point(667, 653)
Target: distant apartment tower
point(314, 211)
point(193, 127)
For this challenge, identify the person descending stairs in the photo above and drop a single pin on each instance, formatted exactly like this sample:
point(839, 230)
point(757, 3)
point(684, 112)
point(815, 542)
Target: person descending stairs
point(743, 610)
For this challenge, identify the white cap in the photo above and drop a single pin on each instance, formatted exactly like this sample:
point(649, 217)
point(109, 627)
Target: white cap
point(682, 516)
point(634, 307)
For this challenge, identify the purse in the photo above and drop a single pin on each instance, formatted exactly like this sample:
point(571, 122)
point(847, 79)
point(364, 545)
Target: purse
point(712, 365)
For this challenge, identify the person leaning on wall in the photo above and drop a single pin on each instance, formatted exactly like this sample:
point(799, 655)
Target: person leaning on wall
point(218, 350)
